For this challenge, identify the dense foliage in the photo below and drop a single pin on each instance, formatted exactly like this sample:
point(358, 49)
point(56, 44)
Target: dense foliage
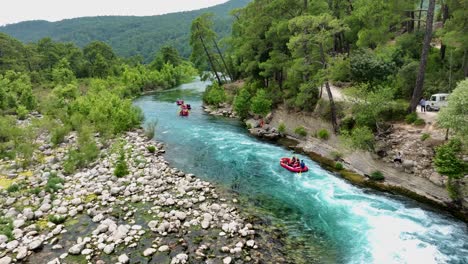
point(293, 50)
point(128, 35)
point(455, 115)
point(447, 161)
point(87, 90)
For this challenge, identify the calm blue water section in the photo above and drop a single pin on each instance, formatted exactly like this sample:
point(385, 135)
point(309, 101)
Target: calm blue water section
point(361, 225)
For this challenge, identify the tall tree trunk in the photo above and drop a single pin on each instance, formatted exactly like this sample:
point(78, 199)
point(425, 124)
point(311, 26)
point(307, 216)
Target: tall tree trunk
point(445, 16)
point(306, 5)
point(210, 59)
point(330, 95)
point(420, 14)
point(411, 23)
point(350, 8)
point(228, 71)
point(418, 89)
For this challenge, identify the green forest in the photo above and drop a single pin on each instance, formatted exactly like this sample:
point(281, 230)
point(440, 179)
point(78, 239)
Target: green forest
point(385, 55)
point(86, 173)
point(127, 35)
point(85, 90)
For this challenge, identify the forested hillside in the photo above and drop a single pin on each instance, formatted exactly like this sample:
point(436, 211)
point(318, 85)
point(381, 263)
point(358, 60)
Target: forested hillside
point(127, 35)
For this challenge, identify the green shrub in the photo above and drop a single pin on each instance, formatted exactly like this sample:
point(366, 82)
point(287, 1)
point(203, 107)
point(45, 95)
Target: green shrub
point(58, 134)
point(452, 189)
point(242, 103)
point(106, 112)
point(214, 95)
point(13, 188)
point(340, 69)
point(261, 104)
point(281, 127)
point(150, 129)
point(121, 168)
point(86, 152)
point(410, 118)
point(35, 191)
point(301, 131)
point(396, 110)
point(360, 138)
point(22, 112)
point(57, 219)
point(339, 166)
point(54, 183)
point(6, 227)
point(377, 176)
point(425, 136)
point(419, 122)
point(447, 161)
point(368, 67)
point(307, 97)
point(151, 149)
point(347, 123)
point(323, 134)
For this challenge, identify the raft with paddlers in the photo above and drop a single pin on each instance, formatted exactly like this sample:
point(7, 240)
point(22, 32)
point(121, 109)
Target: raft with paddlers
point(184, 112)
point(295, 166)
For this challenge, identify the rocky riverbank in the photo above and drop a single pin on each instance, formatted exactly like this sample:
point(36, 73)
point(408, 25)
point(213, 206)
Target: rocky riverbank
point(155, 214)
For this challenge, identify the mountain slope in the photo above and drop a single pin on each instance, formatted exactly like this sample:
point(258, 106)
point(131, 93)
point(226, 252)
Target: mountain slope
point(128, 35)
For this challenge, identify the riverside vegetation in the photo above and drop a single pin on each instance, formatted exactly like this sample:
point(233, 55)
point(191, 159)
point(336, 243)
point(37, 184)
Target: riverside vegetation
point(77, 187)
point(383, 56)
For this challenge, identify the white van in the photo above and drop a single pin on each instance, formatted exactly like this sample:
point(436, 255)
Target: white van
point(437, 101)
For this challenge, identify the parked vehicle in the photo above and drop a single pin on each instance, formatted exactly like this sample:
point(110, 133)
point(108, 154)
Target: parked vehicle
point(437, 101)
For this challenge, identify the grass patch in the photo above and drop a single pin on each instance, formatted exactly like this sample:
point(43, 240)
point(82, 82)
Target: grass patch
point(419, 122)
point(377, 176)
point(57, 219)
point(339, 166)
point(197, 239)
point(54, 183)
point(42, 224)
point(425, 136)
point(121, 168)
point(71, 222)
point(35, 191)
point(301, 131)
point(14, 187)
point(410, 118)
point(323, 134)
point(6, 227)
point(5, 182)
point(151, 149)
point(26, 173)
point(90, 198)
point(282, 127)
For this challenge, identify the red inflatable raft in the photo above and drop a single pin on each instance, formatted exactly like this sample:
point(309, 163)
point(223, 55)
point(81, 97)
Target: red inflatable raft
point(184, 112)
point(284, 162)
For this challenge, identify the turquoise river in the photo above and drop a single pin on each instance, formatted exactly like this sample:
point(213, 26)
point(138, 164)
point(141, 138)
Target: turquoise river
point(356, 225)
